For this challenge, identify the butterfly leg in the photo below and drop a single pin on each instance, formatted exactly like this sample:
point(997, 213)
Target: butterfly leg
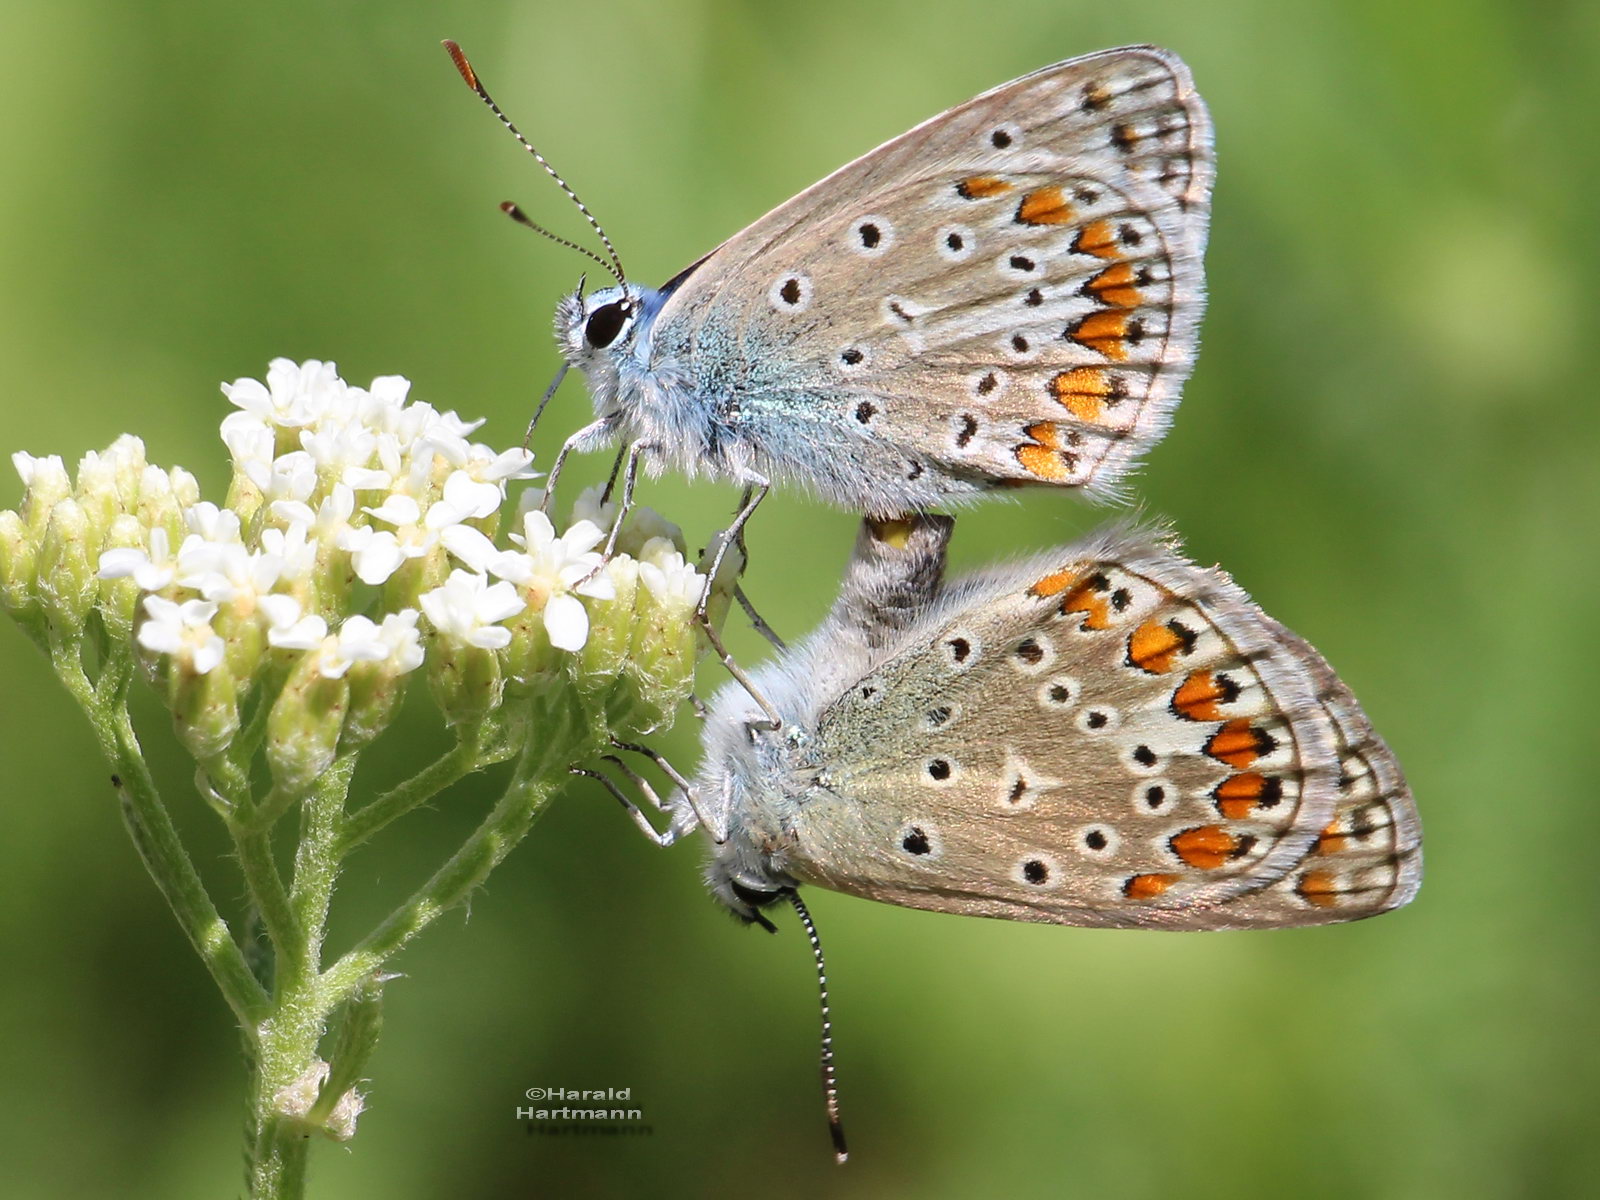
point(773, 721)
point(591, 434)
point(661, 837)
point(756, 489)
point(758, 622)
point(630, 476)
point(655, 756)
point(611, 479)
point(685, 788)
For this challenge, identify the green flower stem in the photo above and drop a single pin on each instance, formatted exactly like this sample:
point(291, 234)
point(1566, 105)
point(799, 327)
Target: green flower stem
point(274, 804)
point(454, 764)
point(288, 1040)
point(271, 897)
point(317, 859)
point(506, 825)
point(156, 838)
point(248, 740)
point(286, 1045)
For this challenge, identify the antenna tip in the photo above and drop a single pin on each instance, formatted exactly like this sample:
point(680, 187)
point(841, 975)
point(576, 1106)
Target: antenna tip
point(841, 1152)
point(458, 57)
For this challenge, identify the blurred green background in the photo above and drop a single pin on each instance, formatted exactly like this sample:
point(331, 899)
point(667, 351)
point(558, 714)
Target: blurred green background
point(1390, 440)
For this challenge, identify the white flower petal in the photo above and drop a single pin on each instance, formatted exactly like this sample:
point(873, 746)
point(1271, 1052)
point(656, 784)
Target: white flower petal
point(470, 545)
point(397, 510)
point(567, 622)
point(305, 634)
point(206, 656)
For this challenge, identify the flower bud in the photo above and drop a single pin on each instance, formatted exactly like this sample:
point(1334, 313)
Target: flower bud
point(97, 494)
point(377, 688)
point(244, 639)
point(45, 483)
point(304, 725)
point(19, 565)
point(205, 708)
point(602, 657)
point(466, 680)
point(67, 583)
point(660, 671)
point(128, 468)
point(119, 597)
point(185, 487)
point(158, 507)
point(531, 662)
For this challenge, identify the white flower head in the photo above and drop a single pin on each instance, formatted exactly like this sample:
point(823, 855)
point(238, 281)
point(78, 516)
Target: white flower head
point(152, 570)
point(557, 567)
point(401, 641)
point(295, 394)
point(668, 578)
point(46, 473)
point(287, 627)
point(210, 523)
point(467, 607)
point(378, 553)
point(226, 571)
point(183, 632)
point(358, 640)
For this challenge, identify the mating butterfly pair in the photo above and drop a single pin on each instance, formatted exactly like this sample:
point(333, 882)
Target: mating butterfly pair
point(1110, 735)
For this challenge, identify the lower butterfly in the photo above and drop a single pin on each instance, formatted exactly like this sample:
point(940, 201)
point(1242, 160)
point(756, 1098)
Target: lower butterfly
point(1107, 735)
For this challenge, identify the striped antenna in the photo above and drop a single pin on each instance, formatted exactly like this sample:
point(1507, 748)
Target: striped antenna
point(514, 211)
point(830, 1082)
point(473, 82)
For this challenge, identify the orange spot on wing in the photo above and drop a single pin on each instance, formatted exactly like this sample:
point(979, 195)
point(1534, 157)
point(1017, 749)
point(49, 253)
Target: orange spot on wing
point(1087, 596)
point(979, 187)
point(1198, 696)
point(1238, 796)
point(1332, 840)
point(1053, 584)
point(1319, 888)
point(1147, 887)
point(1114, 287)
point(1043, 456)
point(1084, 391)
point(1207, 847)
point(1042, 461)
point(1103, 332)
point(1044, 206)
point(1153, 645)
point(1238, 743)
point(1099, 239)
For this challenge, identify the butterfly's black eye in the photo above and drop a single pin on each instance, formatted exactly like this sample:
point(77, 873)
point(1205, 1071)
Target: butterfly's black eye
point(605, 323)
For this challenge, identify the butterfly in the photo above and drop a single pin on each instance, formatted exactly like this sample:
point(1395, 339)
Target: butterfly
point(1008, 294)
point(1107, 735)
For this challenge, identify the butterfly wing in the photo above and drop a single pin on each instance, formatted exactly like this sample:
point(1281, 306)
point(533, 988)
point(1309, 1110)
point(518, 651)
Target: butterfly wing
point(1113, 736)
point(1008, 293)
point(1368, 858)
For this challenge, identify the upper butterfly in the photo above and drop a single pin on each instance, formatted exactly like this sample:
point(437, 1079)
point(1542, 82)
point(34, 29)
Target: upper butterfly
point(1008, 294)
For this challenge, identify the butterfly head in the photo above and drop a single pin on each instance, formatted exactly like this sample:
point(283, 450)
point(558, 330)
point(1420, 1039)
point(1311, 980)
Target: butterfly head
point(748, 781)
point(596, 331)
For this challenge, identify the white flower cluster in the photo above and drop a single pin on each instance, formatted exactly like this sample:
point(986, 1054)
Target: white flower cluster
point(326, 477)
point(358, 542)
point(333, 481)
